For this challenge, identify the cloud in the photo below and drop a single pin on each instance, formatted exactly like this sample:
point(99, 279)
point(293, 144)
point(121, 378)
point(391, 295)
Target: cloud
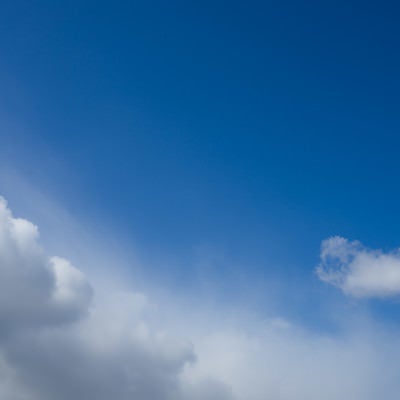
point(59, 341)
point(358, 271)
point(62, 338)
point(35, 289)
point(298, 365)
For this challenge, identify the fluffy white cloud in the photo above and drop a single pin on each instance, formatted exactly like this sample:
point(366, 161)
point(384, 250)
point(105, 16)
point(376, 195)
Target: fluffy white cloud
point(56, 344)
point(358, 271)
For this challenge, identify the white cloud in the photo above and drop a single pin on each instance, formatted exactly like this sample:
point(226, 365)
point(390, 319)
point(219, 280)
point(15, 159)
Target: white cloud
point(61, 340)
point(298, 365)
point(358, 271)
point(55, 344)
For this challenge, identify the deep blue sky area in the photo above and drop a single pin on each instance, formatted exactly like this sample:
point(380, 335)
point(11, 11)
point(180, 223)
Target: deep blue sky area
point(252, 129)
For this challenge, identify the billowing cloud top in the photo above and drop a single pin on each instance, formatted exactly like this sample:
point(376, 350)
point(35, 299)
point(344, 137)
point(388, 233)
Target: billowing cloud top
point(358, 271)
point(34, 288)
point(56, 345)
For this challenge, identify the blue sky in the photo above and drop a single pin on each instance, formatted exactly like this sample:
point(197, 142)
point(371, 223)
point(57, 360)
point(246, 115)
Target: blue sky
point(255, 130)
point(255, 126)
point(219, 142)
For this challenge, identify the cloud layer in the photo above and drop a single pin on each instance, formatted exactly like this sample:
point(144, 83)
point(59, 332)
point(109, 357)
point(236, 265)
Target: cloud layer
point(358, 271)
point(62, 339)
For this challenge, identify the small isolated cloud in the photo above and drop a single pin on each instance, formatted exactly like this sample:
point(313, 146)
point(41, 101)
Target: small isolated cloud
point(358, 271)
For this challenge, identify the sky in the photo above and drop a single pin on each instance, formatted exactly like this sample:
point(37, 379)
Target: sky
point(199, 200)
